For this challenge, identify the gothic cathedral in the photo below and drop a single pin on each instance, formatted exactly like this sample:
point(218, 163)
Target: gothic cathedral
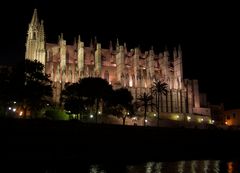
point(121, 67)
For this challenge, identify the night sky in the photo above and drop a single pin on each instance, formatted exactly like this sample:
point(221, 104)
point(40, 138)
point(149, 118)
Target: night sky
point(208, 34)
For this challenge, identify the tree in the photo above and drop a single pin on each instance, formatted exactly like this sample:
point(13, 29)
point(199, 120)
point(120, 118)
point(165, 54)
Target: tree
point(73, 99)
point(121, 103)
point(145, 100)
point(159, 88)
point(5, 89)
point(96, 90)
point(35, 91)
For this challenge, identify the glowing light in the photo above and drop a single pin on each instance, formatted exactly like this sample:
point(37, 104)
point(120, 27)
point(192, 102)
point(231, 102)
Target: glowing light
point(130, 82)
point(14, 102)
point(211, 121)
point(91, 116)
point(99, 112)
point(188, 118)
point(9, 108)
point(146, 121)
point(154, 115)
point(128, 113)
point(134, 118)
point(226, 122)
point(14, 109)
point(177, 116)
point(20, 114)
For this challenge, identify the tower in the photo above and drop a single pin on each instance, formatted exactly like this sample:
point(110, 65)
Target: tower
point(35, 45)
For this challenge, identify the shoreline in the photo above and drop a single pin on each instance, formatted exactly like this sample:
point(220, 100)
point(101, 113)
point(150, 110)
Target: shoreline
point(47, 141)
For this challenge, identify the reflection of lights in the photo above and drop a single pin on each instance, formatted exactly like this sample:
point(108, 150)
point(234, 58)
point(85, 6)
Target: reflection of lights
point(230, 167)
point(188, 118)
point(216, 166)
point(177, 116)
point(91, 116)
point(206, 165)
point(180, 167)
point(20, 114)
point(96, 169)
point(149, 166)
point(158, 167)
point(193, 166)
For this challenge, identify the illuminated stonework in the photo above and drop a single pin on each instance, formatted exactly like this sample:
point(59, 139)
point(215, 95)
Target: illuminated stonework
point(121, 67)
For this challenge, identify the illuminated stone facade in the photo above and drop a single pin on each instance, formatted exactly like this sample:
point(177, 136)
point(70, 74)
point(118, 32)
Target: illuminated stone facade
point(121, 67)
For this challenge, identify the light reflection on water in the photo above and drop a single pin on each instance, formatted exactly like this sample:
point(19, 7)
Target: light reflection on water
point(193, 166)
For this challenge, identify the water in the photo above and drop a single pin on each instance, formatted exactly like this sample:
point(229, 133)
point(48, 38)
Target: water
point(193, 166)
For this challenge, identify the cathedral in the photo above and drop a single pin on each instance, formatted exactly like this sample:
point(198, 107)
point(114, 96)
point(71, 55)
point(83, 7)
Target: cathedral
point(133, 69)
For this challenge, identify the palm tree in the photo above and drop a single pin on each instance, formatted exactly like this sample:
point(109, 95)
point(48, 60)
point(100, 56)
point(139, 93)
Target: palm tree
point(159, 88)
point(145, 99)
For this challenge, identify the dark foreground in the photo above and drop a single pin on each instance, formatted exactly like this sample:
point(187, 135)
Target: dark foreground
point(50, 141)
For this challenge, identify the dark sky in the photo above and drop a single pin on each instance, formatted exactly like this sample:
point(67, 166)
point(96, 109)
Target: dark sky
point(208, 33)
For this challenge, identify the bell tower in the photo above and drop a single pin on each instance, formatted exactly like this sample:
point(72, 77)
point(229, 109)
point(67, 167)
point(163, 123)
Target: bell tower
point(35, 45)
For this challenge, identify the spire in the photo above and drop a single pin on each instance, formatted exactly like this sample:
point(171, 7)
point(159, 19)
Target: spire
point(166, 53)
point(75, 43)
point(179, 51)
point(125, 47)
point(34, 20)
point(79, 42)
point(41, 31)
point(117, 44)
point(151, 51)
point(60, 38)
point(174, 53)
point(79, 39)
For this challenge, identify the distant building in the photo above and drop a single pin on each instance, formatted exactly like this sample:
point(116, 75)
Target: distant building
point(232, 117)
point(217, 113)
point(133, 69)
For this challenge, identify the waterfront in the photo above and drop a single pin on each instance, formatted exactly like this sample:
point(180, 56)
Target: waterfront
point(190, 166)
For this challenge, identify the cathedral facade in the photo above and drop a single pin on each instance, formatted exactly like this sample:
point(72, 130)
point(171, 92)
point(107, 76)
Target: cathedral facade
point(133, 69)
